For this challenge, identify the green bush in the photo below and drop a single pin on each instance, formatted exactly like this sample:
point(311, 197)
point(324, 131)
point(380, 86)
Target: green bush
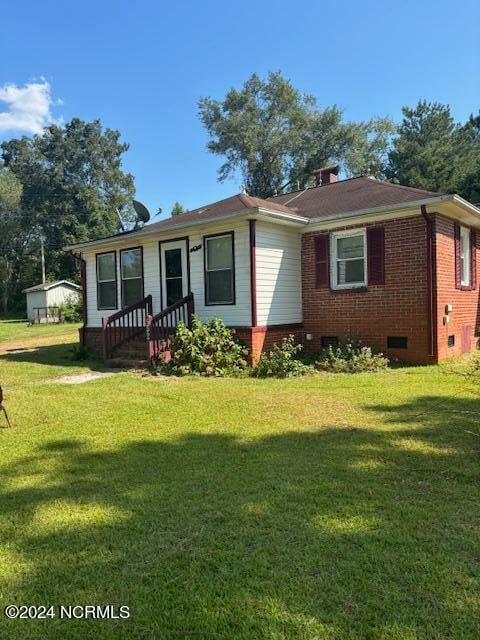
point(351, 357)
point(282, 362)
point(72, 309)
point(80, 352)
point(207, 349)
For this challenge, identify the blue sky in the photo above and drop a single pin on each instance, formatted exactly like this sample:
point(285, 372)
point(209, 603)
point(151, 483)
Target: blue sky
point(141, 66)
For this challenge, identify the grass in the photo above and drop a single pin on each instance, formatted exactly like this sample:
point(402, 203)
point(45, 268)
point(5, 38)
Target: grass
point(333, 507)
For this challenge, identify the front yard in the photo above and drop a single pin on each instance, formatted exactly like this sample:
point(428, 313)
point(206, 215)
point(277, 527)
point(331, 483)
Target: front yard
point(333, 507)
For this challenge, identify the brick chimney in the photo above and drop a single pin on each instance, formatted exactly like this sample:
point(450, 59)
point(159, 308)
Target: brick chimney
point(326, 175)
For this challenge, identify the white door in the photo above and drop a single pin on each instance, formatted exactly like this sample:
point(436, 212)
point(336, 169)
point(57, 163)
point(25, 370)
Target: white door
point(174, 271)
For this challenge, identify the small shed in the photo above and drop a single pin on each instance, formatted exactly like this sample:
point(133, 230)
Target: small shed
point(43, 300)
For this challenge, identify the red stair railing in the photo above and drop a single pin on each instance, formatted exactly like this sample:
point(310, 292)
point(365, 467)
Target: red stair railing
point(162, 326)
point(125, 325)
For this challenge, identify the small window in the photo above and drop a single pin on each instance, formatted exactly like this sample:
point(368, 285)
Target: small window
point(329, 341)
point(451, 341)
point(349, 267)
point(132, 276)
point(465, 257)
point(219, 270)
point(107, 280)
point(397, 342)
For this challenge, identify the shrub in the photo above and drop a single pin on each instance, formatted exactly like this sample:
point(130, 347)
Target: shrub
point(207, 349)
point(282, 362)
point(80, 352)
point(351, 357)
point(72, 309)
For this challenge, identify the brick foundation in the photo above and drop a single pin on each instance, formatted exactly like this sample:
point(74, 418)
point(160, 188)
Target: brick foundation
point(261, 339)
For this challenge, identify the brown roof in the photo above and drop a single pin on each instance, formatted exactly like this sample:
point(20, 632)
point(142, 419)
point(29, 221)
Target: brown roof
point(344, 196)
point(234, 204)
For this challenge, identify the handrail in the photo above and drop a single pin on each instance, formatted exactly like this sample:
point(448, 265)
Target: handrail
point(161, 326)
point(125, 325)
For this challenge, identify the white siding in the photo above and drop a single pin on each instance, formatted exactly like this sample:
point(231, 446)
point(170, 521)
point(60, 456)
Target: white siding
point(35, 299)
point(278, 269)
point(60, 294)
point(234, 315)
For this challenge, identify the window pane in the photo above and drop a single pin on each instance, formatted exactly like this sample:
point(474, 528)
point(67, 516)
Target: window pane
point(173, 263)
point(132, 264)
point(350, 247)
point(350, 271)
point(174, 290)
point(220, 286)
point(219, 253)
point(465, 257)
point(106, 295)
point(132, 291)
point(106, 267)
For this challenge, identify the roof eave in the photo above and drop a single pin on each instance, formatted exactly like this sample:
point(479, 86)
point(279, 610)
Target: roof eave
point(145, 232)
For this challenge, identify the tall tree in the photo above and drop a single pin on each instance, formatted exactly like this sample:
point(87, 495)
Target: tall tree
point(73, 183)
point(274, 135)
point(178, 209)
point(424, 154)
point(468, 146)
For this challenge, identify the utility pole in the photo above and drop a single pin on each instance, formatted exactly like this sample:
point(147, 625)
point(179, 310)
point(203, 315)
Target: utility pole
point(43, 258)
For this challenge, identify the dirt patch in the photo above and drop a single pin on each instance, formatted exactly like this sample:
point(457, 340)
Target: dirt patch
point(80, 378)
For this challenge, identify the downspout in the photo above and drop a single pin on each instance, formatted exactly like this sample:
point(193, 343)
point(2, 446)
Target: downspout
point(83, 283)
point(431, 285)
point(253, 271)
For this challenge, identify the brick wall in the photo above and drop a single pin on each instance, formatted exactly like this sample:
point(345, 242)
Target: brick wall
point(396, 308)
point(261, 339)
point(465, 315)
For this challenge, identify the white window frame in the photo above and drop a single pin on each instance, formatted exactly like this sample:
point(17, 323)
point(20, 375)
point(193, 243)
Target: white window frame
point(465, 256)
point(207, 270)
point(334, 259)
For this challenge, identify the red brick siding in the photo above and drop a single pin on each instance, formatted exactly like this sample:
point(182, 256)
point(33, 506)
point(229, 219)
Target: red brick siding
point(261, 339)
point(396, 308)
point(466, 304)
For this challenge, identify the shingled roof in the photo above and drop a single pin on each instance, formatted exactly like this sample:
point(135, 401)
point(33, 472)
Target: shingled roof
point(350, 195)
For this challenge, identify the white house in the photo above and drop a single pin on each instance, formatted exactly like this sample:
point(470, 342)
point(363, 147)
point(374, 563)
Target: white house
point(43, 297)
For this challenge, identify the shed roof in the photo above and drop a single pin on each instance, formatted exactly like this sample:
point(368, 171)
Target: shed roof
point(46, 286)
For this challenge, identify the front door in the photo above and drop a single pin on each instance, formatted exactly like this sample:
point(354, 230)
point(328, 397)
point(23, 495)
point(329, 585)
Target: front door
point(174, 271)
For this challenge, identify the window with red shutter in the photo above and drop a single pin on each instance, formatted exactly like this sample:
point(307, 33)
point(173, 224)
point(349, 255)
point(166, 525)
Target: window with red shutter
point(376, 255)
point(458, 264)
point(473, 257)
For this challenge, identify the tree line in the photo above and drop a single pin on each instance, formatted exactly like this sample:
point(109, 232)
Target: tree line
point(68, 184)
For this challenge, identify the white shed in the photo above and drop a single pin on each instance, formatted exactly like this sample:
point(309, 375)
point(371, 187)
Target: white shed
point(42, 299)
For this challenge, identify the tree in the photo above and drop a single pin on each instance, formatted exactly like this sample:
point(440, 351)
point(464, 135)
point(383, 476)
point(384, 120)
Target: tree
point(424, 153)
point(12, 236)
point(468, 141)
point(73, 183)
point(178, 209)
point(275, 136)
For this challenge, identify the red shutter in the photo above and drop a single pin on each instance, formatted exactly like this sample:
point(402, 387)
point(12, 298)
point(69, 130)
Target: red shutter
point(321, 260)
point(473, 258)
point(376, 255)
point(458, 262)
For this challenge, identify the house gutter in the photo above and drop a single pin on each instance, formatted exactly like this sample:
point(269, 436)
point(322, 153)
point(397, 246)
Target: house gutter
point(253, 270)
point(431, 285)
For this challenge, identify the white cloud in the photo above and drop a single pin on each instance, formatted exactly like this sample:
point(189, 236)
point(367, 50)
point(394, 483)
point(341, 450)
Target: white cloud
point(29, 107)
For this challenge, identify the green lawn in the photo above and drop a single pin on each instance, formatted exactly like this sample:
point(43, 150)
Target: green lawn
point(334, 507)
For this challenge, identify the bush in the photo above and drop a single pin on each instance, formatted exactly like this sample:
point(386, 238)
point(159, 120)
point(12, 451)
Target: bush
point(207, 349)
point(351, 357)
point(72, 309)
point(80, 352)
point(282, 362)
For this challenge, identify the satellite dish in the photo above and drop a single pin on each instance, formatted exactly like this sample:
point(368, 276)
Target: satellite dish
point(142, 212)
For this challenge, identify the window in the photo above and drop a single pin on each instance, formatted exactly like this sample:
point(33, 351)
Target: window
point(219, 269)
point(107, 280)
point(465, 257)
point(132, 275)
point(349, 266)
point(173, 275)
point(329, 341)
point(397, 342)
point(451, 341)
